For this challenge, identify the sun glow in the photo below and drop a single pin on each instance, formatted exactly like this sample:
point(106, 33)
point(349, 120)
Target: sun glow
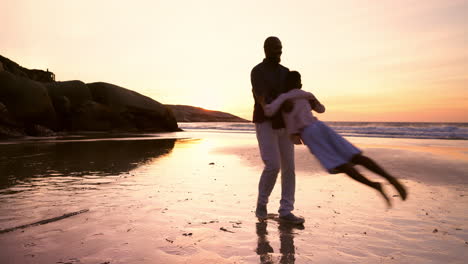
point(200, 53)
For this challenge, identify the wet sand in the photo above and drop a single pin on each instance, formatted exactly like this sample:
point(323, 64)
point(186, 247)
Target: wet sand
point(190, 198)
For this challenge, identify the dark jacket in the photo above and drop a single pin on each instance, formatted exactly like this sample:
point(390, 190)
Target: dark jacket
point(268, 80)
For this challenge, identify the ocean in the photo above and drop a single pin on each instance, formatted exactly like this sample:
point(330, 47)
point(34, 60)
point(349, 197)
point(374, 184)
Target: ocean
point(419, 130)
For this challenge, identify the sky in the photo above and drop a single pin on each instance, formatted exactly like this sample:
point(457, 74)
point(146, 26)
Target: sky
point(366, 60)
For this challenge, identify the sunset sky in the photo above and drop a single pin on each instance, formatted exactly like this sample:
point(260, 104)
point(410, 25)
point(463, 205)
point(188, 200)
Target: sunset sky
point(366, 60)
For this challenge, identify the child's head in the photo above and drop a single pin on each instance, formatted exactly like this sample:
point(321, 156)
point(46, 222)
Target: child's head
point(293, 80)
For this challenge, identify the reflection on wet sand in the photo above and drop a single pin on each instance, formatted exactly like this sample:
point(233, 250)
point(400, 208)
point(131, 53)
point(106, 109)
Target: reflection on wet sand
point(176, 208)
point(286, 237)
point(264, 249)
point(20, 163)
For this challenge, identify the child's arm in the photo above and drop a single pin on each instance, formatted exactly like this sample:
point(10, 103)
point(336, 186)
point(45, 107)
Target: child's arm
point(273, 107)
point(316, 105)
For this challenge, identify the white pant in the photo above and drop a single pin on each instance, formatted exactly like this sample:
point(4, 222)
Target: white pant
point(277, 153)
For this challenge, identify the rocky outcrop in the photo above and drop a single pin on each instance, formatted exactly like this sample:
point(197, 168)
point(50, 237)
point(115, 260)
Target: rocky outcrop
point(76, 92)
point(31, 104)
point(26, 101)
point(132, 110)
point(186, 113)
point(16, 69)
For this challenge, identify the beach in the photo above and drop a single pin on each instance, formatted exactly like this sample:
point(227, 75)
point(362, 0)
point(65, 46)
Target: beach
point(189, 197)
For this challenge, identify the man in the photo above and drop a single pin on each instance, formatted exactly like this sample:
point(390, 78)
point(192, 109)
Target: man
point(276, 149)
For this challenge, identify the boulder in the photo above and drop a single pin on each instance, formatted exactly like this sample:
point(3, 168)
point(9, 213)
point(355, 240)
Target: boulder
point(67, 97)
point(63, 110)
point(122, 99)
point(62, 105)
point(26, 100)
point(145, 113)
point(77, 92)
point(39, 131)
point(4, 115)
point(92, 116)
point(6, 118)
point(7, 132)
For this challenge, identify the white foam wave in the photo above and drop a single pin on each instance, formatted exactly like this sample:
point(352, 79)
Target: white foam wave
point(457, 131)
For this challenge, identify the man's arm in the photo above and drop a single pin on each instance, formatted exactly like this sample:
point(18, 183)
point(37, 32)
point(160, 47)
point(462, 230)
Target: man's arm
point(258, 85)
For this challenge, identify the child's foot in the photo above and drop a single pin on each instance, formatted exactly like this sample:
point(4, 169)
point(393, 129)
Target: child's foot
point(400, 188)
point(378, 187)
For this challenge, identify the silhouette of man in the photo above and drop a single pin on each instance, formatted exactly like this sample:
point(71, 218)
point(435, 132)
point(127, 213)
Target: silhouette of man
point(276, 149)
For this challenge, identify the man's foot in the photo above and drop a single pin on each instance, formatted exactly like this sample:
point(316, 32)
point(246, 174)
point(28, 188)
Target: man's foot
point(292, 219)
point(261, 212)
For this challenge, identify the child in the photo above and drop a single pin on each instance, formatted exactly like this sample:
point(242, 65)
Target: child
point(334, 152)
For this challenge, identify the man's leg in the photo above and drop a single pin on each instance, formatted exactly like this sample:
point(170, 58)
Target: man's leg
point(268, 145)
point(288, 176)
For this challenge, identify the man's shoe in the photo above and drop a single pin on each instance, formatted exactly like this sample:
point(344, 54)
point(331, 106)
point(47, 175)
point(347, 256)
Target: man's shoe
point(292, 219)
point(261, 212)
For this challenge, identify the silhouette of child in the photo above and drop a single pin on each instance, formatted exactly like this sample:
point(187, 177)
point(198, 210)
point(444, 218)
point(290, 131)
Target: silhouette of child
point(333, 151)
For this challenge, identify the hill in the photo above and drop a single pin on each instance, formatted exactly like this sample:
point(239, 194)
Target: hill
point(186, 113)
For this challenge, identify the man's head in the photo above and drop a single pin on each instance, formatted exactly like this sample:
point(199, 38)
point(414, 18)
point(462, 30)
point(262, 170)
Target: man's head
point(273, 49)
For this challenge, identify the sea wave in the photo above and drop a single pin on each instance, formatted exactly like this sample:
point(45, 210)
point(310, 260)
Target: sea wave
point(452, 131)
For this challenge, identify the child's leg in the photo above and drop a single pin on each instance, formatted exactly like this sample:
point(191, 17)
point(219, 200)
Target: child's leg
point(374, 167)
point(353, 173)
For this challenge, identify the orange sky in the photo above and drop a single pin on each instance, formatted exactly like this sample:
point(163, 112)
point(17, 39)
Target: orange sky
point(400, 60)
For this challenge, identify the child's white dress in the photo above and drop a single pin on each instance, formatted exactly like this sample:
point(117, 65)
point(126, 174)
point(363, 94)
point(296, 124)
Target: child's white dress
point(331, 149)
